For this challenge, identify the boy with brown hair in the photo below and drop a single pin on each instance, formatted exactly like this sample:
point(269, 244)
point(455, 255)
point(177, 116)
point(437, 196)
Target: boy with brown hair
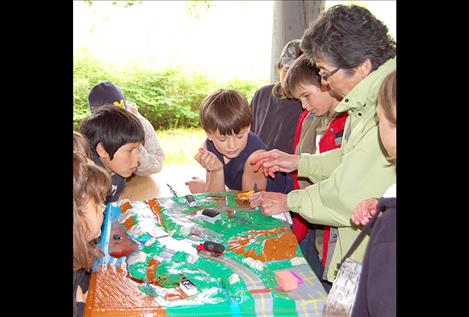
point(225, 116)
point(319, 132)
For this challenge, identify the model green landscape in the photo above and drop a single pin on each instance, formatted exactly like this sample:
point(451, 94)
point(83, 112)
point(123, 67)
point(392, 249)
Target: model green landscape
point(171, 259)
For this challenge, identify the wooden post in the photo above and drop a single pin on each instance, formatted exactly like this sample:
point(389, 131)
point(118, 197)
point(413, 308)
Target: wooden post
point(291, 18)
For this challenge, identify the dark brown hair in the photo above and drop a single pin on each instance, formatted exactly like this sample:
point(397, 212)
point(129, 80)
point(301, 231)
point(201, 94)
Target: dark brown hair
point(113, 127)
point(225, 110)
point(89, 182)
point(302, 71)
point(346, 35)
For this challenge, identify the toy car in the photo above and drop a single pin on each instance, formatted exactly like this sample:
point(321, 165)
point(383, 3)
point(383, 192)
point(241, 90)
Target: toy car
point(210, 215)
point(191, 201)
point(213, 248)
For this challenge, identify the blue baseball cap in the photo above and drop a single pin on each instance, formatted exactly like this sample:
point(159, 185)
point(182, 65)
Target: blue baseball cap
point(105, 93)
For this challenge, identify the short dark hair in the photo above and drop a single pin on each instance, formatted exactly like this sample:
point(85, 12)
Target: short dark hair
point(113, 127)
point(345, 36)
point(225, 110)
point(302, 71)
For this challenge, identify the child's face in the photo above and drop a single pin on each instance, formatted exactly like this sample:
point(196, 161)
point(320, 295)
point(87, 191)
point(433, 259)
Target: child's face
point(315, 99)
point(125, 160)
point(93, 213)
point(387, 133)
point(230, 145)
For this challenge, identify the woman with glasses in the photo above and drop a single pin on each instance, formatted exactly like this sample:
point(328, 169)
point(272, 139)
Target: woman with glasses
point(354, 53)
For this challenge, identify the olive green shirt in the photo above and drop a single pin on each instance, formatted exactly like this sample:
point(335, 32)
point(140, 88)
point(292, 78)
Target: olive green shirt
point(345, 176)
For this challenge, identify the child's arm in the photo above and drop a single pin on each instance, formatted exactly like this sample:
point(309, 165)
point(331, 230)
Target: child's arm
point(196, 185)
point(80, 296)
point(215, 177)
point(251, 177)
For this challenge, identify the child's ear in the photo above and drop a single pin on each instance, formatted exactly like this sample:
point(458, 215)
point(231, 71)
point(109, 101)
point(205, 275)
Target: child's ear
point(101, 151)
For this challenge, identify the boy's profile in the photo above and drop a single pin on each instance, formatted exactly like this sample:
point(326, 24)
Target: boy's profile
point(115, 136)
point(225, 116)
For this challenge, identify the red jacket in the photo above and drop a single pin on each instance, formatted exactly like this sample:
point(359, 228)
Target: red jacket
point(331, 139)
point(296, 140)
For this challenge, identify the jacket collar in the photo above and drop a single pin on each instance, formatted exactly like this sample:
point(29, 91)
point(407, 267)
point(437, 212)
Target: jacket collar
point(366, 89)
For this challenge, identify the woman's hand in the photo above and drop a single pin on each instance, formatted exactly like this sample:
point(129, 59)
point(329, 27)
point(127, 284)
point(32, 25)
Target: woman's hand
point(364, 211)
point(275, 161)
point(270, 203)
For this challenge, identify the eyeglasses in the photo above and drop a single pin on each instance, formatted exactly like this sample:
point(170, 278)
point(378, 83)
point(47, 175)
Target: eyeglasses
point(326, 75)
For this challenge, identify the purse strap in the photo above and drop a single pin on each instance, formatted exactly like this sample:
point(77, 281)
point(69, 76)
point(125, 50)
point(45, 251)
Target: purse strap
point(367, 228)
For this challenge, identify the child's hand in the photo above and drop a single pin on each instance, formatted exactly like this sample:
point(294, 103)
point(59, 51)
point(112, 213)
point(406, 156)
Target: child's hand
point(208, 160)
point(196, 185)
point(275, 161)
point(80, 297)
point(270, 203)
point(364, 211)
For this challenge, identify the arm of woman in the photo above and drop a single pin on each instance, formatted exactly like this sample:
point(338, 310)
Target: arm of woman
point(270, 203)
point(275, 161)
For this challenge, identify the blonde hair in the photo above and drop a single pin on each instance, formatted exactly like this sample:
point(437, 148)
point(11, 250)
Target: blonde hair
point(387, 101)
point(89, 182)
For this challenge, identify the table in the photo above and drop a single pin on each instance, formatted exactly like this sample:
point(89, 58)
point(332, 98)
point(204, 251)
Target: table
point(152, 248)
point(141, 188)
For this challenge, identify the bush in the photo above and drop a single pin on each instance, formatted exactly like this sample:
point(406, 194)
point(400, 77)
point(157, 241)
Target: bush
point(169, 98)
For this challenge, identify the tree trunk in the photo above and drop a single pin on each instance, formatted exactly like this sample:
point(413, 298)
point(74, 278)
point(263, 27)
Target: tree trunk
point(291, 18)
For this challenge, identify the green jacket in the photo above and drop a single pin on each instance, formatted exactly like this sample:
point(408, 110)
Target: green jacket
point(346, 176)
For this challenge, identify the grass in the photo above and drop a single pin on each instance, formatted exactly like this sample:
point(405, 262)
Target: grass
point(181, 145)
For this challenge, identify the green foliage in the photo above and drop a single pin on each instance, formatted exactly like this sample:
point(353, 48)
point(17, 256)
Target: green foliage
point(181, 145)
point(168, 98)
